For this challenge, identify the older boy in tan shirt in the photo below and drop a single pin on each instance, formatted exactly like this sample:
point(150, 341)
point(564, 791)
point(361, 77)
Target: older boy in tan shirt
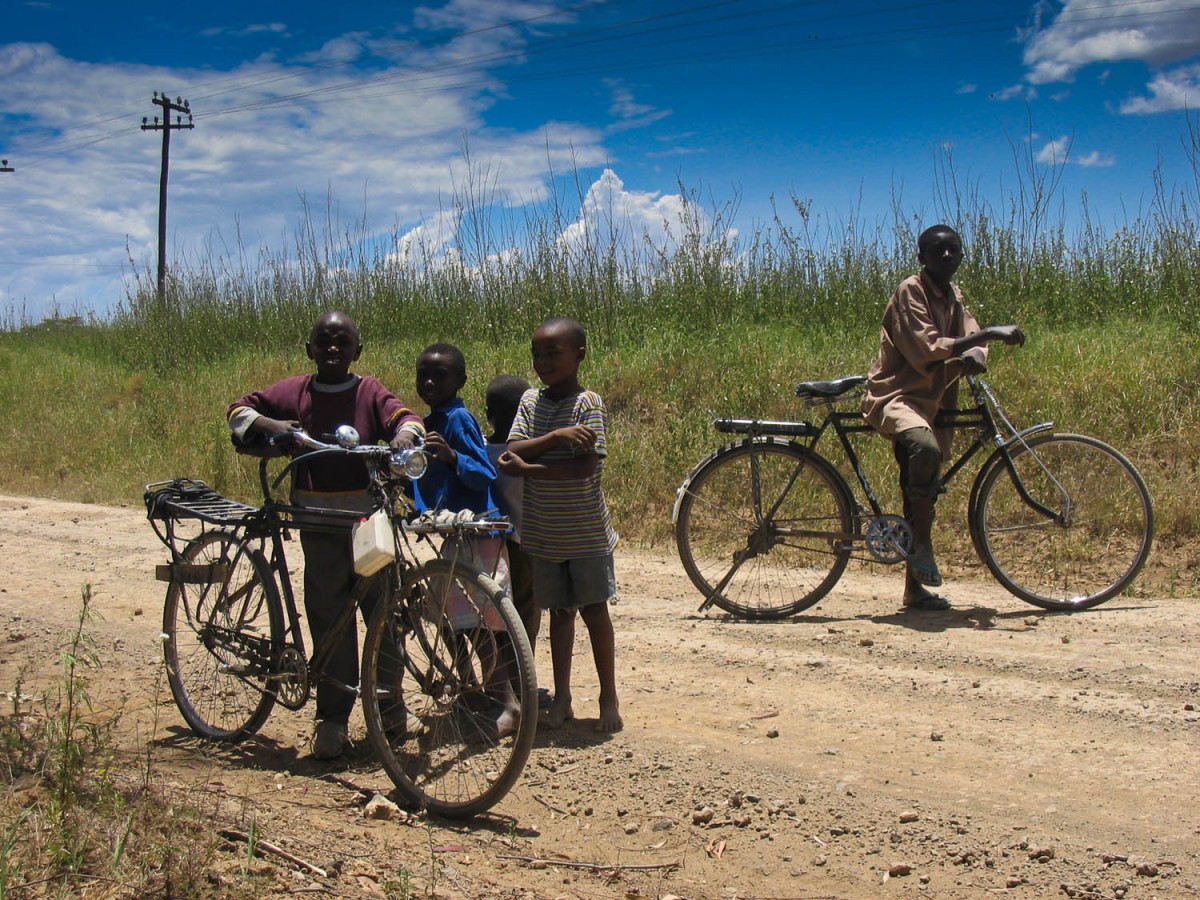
point(927, 341)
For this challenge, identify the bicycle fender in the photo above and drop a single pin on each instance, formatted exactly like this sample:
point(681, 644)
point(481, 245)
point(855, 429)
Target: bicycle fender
point(994, 459)
point(683, 489)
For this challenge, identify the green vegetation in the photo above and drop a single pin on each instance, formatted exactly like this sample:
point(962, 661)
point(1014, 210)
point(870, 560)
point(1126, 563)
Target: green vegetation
point(77, 821)
point(718, 323)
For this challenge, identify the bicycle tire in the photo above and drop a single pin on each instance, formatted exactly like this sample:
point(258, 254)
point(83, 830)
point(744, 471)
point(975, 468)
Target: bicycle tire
point(430, 686)
point(779, 573)
point(221, 639)
point(1063, 565)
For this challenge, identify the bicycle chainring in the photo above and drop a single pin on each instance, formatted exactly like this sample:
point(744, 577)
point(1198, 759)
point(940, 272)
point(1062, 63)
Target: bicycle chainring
point(292, 686)
point(889, 539)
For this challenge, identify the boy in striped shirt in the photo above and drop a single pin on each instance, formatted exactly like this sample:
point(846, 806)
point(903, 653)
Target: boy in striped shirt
point(557, 443)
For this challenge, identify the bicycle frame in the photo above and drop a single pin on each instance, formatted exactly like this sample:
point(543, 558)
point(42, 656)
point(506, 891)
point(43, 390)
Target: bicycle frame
point(984, 417)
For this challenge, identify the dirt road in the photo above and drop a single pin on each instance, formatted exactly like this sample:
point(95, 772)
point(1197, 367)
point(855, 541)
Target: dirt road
point(857, 751)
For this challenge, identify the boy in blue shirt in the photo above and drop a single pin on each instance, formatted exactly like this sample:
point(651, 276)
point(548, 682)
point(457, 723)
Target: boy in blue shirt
point(460, 477)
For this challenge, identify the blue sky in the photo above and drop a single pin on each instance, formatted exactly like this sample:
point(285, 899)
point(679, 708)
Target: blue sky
point(366, 107)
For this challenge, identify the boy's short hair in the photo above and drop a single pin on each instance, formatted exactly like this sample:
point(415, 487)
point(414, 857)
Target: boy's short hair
point(504, 393)
point(573, 327)
point(457, 360)
point(333, 315)
point(927, 236)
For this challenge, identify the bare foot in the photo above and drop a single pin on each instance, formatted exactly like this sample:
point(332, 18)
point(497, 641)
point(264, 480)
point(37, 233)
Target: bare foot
point(508, 721)
point(560, 711)
point(610, 718)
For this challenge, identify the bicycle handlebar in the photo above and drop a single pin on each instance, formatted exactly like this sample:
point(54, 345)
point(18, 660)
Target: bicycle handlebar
point(409, 462)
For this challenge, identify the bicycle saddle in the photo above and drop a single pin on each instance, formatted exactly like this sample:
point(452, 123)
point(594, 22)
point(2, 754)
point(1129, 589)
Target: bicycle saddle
point(827, 390)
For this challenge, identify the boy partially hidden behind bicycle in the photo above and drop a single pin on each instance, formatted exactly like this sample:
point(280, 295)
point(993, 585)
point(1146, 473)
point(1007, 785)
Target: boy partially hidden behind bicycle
point(318, 404)
point(927, 341)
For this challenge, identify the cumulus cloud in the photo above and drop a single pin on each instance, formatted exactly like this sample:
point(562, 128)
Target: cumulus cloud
point(611, 213)
point(1092, 31)
point(1060, 152)
point(1085, 32)
point(610, 218)
point(1179, 89)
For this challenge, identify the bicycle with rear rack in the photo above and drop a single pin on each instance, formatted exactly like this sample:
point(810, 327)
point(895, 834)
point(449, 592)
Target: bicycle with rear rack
point(765, 525)
point(445, 656)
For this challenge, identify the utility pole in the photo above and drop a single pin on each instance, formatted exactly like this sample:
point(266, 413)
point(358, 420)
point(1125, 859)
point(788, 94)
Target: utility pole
point(179, 106)
point(5, 167)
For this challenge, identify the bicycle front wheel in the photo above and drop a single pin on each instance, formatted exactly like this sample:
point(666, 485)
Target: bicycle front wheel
point(222, 631)
point(449, 689)
point(764, 528)
point(1094, 542)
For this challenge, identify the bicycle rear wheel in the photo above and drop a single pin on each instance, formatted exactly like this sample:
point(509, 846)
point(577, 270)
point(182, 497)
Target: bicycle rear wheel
point(764, 528)
point(222, 631)
point(1099, 537)
point(449, 689)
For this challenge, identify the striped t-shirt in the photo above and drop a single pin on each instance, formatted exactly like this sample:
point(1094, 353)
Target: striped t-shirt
point(565, 519)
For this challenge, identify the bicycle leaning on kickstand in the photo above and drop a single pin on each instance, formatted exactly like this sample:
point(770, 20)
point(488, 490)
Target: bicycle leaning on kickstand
point(450, 700)
point(766, 525)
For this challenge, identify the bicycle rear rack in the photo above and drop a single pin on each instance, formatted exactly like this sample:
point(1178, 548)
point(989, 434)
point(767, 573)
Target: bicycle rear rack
point(187, 498)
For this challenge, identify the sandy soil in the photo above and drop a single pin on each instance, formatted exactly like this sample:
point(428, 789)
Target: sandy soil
point(856, 751)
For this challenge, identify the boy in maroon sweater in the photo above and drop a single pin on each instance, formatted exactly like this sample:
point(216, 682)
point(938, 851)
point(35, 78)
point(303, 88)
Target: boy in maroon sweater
point(319, 404)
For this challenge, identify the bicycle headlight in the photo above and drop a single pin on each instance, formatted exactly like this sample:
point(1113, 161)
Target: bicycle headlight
point(411, 463)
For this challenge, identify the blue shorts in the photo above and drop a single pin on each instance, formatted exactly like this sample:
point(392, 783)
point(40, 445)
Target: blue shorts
point(562, 584)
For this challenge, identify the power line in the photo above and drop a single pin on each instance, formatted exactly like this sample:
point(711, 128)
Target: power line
point(44, 264)
point(624, 34)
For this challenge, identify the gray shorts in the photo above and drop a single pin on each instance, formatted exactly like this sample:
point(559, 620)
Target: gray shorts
point(571, 583)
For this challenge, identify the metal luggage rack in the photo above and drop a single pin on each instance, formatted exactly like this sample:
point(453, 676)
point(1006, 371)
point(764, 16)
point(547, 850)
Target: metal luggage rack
point(187, 498)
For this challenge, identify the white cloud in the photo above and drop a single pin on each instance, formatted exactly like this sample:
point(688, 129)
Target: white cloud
point(427, 241)
point(1060, 152)
point(1014, 92)
point(378, 145)
point(1178, 89)
point(966, 88)
point(628, 112)
point(629, 219)
point(1156, 33)
point(246, 31)
point(1092, 31)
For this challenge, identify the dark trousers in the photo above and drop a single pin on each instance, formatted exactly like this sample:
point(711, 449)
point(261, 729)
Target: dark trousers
point(328, 580)
point(920, 458)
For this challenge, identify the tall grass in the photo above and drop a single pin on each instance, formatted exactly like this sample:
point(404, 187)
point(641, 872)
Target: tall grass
point(706, 319)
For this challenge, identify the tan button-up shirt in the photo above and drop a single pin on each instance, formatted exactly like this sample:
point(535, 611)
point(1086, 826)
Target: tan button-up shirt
point(905, 389)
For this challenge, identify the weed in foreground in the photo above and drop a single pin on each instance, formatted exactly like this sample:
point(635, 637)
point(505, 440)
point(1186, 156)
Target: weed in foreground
point(74, 826)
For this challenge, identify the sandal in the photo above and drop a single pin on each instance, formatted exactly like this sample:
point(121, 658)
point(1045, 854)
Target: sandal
point(929, 602)
point(924, 568)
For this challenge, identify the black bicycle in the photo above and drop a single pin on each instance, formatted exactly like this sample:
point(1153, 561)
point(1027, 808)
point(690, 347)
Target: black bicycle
point(766, 525)
point(448, 687)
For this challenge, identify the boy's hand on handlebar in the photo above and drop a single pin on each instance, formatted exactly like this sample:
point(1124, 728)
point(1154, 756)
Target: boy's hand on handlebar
point(405, 440)
point(278, 432)
point(1009, 334)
